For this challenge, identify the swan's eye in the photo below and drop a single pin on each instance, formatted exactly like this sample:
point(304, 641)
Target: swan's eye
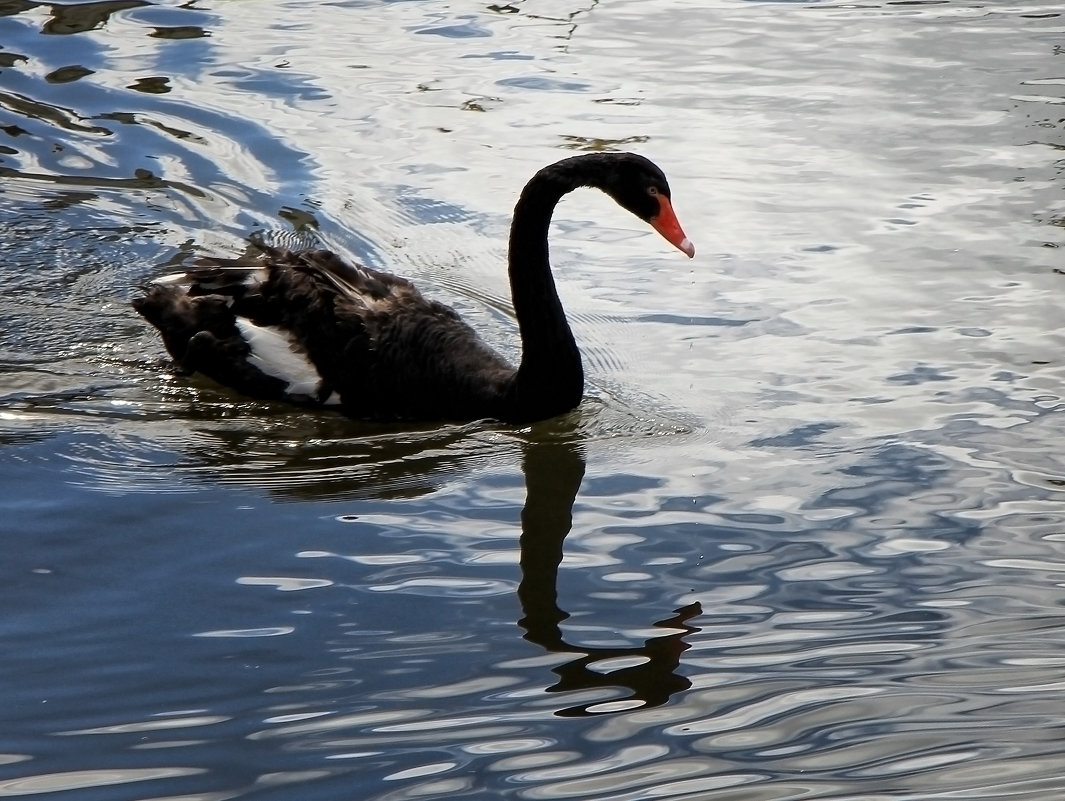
point(652, 191)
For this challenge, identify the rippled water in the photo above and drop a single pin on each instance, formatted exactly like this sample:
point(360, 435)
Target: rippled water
point(805, 539)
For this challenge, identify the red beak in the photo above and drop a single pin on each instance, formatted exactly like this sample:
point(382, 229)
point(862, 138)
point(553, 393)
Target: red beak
point(665, 222)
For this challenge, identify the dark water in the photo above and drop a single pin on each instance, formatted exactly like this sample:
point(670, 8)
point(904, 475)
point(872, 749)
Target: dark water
point(805, 539)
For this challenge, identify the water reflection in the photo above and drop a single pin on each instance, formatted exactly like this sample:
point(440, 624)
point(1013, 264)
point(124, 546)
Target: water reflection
point(111, 119)
point(82, 17)
point(316, 458)
point(553, 471)
point(866, 504)
point(290, 455)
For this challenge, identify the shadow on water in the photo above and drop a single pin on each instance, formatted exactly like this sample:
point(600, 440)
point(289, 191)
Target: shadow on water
point(292, 457)
point(390, 463)
point(405, 464)
point(553, 473)
point(306, 458)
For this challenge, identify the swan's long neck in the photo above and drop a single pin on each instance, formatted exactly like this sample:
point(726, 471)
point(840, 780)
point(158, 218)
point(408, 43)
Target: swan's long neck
point(550, 379)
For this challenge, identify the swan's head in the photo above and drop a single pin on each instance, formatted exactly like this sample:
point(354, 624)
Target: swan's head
point(638, 185)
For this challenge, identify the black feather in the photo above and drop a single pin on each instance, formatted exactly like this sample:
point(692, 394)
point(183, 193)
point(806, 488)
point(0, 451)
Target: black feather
point(379, 345)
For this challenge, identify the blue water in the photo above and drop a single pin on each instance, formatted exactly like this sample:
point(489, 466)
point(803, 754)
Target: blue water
point(802, 540)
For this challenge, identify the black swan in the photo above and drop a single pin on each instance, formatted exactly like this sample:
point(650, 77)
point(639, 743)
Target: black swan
point(308, 327)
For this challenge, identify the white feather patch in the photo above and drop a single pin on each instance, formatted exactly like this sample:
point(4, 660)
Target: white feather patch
point(252, 278)
point(275, 353)
point(172, 278)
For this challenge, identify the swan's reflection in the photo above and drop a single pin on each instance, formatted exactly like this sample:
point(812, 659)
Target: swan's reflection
point(309, 458)
point(553, 472)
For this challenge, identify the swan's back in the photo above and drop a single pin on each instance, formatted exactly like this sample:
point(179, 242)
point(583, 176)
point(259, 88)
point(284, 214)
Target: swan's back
point(307, 326)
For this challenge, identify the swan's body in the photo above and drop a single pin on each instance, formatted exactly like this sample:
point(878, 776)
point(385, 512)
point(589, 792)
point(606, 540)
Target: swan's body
point(309, 327)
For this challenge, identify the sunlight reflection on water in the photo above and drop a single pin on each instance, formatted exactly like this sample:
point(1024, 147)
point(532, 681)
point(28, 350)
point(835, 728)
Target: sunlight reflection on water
point(801, 541)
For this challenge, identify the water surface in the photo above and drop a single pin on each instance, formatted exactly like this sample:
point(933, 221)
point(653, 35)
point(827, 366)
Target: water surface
point(803, 539)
